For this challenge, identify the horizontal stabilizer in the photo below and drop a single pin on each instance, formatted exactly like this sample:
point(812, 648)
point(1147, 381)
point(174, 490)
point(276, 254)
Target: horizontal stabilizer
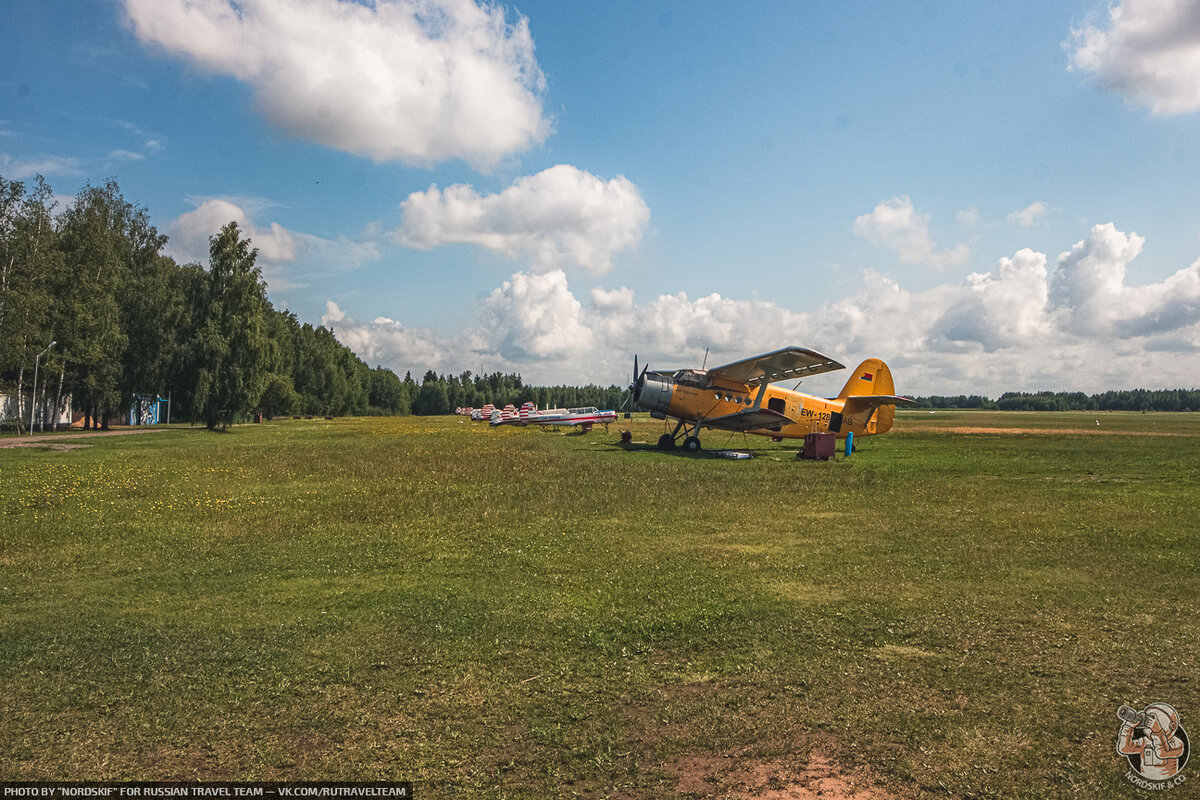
point(872, 400)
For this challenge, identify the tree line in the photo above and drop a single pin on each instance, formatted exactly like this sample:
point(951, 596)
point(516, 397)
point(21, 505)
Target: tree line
point(1117, 400)
point(442, 394)
point(126, 322)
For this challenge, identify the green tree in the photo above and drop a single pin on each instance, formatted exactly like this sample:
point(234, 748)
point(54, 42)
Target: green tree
point(387, 392)
point(152, 311)
point(279, 397)
point(432, 398)
point(30, 266)
point(101, 236)
point(230, 347)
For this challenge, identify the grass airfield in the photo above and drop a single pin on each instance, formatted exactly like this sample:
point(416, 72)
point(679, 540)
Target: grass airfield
point(957, 610)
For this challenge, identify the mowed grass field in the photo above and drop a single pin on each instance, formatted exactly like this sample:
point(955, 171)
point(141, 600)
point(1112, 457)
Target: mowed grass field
point(957, 610)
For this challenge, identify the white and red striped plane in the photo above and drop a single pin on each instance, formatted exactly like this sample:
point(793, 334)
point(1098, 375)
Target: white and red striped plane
point(484, 413)
point(564, 417)
point(583, 417)
point(510, 415)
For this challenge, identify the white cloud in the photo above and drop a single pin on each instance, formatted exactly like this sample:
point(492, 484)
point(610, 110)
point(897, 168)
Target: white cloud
point(534, 317)
point(188, 235)
point(1090, 289)
point(418, 81)
point(281, 252)
point(1089, 281)
point(1029, 216)
point(1150, 52)
point(615, 300)
point(1004, 309)
point(561, 217)
point(332, 314)
point(896, 225)
point(386, 342)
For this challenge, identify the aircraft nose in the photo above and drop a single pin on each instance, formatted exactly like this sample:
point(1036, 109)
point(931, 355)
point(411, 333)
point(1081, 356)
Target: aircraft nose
point(655, 392)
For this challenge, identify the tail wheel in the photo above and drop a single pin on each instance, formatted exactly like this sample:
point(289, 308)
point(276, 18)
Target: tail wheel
point(691, 444)
point(666, 442)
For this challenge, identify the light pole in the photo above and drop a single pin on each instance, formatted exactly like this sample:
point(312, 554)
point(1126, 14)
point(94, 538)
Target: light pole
point(33, 394)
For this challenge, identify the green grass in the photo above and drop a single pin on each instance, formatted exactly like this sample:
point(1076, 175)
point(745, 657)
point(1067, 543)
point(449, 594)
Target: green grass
point(518, 613)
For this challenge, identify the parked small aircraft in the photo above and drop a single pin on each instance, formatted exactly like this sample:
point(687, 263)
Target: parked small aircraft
point(584, 417)
point(740, 397)
point(512, 416)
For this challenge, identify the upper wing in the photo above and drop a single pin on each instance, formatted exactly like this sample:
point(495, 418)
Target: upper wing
point(779, 365)
point(749, 420)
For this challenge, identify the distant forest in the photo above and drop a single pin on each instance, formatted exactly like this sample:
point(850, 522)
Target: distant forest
point(1126, 400)
point(88, 299)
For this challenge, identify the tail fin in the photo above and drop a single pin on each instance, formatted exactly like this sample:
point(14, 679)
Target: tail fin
point(871, 377)
point(870, 396)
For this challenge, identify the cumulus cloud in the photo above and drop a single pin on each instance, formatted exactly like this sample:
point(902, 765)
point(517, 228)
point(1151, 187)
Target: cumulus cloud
point(1002, 309)
point(1149, 51)
point(1089, 281)
point(1031, 215)
point(561, 217)
point(896, 225)
point(279, 250)
point(387, 342)
point(189, 233)
point(1090, 290)
point(417, 81)
point(535, 317)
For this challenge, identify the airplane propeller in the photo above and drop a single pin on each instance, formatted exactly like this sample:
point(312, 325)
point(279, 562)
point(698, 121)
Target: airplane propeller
point(635, 388)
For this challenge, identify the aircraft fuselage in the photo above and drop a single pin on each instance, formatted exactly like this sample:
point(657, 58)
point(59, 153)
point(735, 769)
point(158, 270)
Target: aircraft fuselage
point(694, 397)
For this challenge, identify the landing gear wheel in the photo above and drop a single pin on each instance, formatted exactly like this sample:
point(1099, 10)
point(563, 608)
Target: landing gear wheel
point(666, 442)
point(691, 444)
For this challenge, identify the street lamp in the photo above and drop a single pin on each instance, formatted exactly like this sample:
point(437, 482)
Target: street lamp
point(33, 394)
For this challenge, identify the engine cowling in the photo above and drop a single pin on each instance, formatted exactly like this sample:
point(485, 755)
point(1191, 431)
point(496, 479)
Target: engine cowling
point(655, 392)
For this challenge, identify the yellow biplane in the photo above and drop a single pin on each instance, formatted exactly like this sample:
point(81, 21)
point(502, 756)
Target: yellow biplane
point(741, 397)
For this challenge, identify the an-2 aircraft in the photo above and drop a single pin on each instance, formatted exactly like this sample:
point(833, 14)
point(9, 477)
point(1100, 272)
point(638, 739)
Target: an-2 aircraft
point(741, 397)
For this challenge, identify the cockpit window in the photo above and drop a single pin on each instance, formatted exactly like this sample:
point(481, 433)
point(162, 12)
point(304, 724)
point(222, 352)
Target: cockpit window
point(693, 377)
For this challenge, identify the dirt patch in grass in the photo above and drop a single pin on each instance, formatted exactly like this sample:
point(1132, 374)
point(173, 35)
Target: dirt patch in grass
point(769, 765)
point(817, 775)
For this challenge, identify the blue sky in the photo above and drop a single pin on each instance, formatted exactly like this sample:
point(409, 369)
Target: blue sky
point(988, 196)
